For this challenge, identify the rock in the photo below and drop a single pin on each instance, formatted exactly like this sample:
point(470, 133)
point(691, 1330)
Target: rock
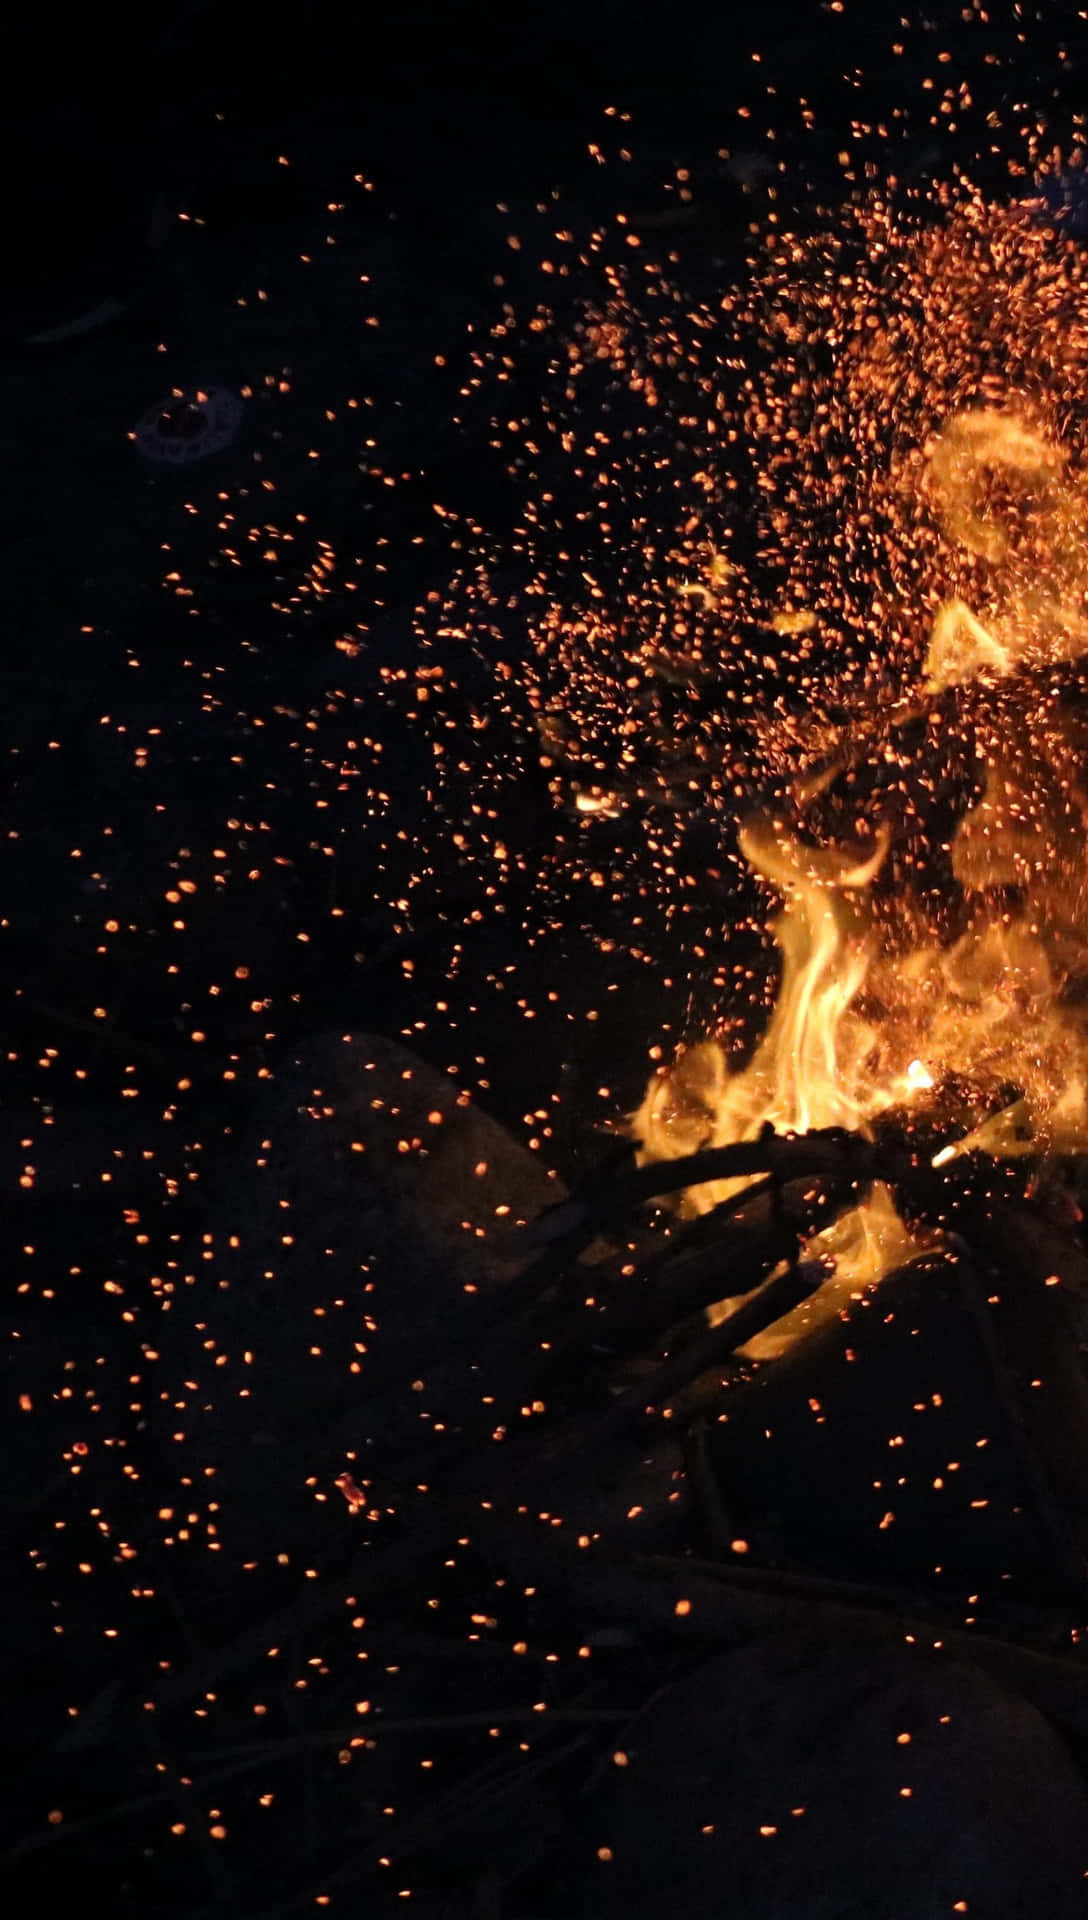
point(386, 1167)
point(805, 1779)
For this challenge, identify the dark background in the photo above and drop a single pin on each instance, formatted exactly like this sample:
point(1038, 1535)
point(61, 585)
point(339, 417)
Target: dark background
point(447, 110)
point(437, 99)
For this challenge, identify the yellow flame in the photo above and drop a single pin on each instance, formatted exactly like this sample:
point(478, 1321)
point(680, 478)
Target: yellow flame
point(812, 1068)
point(809, 1069)
point(1005, 494)
point(970, 448)
point(1000, 1005)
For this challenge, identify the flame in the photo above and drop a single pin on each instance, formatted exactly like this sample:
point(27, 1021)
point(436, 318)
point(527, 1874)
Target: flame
point(1004, 494)
point(860, 1025)
point(808, 1069)
point(969, 449)
point(814, 1066)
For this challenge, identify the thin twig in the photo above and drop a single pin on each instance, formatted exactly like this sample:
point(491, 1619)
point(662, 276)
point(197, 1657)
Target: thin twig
point(777, 1297)
point(830, 1153)
point(707, 1489)
point(377, 1727)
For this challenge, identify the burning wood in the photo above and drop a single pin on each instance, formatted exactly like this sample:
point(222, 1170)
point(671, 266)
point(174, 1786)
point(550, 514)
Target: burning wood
point(874, 1039)
point(864, 1024)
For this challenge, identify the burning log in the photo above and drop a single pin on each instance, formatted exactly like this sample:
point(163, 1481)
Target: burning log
point(777, 1297)
point(830, 1152)
point(724, 1254)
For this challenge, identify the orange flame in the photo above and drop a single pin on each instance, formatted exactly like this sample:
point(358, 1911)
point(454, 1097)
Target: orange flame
point(996, 1004)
